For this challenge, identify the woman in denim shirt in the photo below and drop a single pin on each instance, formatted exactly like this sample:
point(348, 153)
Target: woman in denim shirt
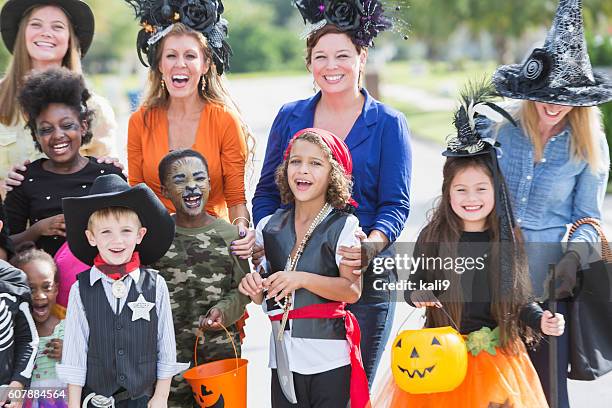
point(555, 161)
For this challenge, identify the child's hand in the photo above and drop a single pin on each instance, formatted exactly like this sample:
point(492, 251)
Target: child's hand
point(552, 325)
point(282, 283)
point(243, 247)
point(157, 402)
point(424, 298)
point(251, 285)
point(54, 349)
point(14, 403)
point(212, 321)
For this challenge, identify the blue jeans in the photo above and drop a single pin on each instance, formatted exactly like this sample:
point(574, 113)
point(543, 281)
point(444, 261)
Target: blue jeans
point(539, 358)
point(374, 311)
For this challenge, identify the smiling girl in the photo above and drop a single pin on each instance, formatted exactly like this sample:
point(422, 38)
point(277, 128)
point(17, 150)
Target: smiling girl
point(314, 355)
point(56, 106)
point(491, 306)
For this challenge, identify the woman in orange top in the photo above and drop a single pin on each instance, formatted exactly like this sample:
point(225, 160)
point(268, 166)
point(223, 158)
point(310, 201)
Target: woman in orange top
point(187, 105)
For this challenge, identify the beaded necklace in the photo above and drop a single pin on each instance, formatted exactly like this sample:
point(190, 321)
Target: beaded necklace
point(292, 261)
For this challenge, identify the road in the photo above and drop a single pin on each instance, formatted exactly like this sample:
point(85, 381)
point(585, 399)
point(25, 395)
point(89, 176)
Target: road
point(260, 100)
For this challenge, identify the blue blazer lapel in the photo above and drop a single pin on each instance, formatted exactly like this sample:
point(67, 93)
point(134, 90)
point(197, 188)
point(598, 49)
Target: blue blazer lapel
point(360, 131)
point(303, 115)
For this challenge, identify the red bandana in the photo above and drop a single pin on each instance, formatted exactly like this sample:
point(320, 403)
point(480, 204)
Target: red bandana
point(117, 271)
point(339, 149)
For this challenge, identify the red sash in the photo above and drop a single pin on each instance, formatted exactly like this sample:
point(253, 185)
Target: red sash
point(360, 396)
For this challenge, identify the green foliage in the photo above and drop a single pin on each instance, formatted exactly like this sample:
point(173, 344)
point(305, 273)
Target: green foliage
point(259, 44)
point(115, 36)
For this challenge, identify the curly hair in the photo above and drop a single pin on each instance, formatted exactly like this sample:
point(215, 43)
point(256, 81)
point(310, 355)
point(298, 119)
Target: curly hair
point(340, 185)
point(57, 85)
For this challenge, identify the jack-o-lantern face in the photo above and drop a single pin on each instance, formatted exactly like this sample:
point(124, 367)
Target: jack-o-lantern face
point(429, 360)
point(209, 399)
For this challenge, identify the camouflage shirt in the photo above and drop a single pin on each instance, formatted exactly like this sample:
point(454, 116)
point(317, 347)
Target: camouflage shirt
point(201, 274)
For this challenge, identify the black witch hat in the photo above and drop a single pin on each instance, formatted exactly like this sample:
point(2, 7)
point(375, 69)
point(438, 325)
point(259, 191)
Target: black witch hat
point(158, 16)
point(78, 12)
point(560, 72)
point(476, 104)
point(363, 20)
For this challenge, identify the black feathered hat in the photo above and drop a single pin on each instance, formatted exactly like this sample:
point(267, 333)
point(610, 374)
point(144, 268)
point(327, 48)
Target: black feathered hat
point(363, 20)
point(158, 16)
point(78, 12)
point(112, 191)
point(560, 72)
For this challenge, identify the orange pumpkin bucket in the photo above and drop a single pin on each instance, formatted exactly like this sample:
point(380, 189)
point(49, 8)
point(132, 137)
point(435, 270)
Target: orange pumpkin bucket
point(219, 384)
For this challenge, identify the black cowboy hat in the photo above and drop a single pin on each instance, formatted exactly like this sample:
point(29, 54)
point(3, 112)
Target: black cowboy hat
point(80, 15)
point(112, 191)
point(560, 72)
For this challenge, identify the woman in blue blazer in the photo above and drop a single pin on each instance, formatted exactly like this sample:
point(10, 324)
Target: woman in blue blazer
point(378, 138)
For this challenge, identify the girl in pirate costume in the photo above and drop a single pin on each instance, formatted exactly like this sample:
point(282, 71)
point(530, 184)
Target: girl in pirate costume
point(314, 351)
point(489, 305)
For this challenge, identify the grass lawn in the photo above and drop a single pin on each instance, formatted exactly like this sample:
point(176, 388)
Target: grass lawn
point(434, 126)
point(439, 78)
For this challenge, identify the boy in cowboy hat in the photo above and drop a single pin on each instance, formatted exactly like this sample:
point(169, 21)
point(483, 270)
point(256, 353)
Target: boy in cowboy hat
point(202, 275)
point(119, 344)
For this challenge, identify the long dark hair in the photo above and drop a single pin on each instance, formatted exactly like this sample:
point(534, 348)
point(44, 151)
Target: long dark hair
point(444, 229)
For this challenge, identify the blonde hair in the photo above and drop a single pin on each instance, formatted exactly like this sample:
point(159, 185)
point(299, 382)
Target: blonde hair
point(586, 131)
point(21, 64)
point(114, 212)
point(215, 89)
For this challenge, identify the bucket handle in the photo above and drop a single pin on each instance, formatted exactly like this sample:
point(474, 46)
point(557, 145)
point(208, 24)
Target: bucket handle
point(200, 333)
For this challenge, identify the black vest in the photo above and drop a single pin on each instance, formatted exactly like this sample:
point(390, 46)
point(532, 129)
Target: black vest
point(121, 353)
point(319, 257)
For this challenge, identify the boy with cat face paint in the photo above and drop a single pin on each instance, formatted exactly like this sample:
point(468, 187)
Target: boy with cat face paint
point(201, 272)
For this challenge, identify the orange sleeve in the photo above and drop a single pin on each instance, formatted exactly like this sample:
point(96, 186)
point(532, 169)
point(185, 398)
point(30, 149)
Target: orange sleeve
point(134, 148)
point(233, 160)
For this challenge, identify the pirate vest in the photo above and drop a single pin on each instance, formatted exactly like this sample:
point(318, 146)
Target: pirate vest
point(319, 257)
point(121, 353)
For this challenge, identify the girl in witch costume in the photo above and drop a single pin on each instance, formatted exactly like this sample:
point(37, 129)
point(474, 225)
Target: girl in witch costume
point(119, 345)
point(314, 349)
point(491, 305)
point(556, 163)
point(338, 36)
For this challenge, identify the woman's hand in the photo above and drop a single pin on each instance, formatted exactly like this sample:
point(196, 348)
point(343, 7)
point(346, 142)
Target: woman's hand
point(282, 283)
point(14, 179)
point(424, 298)
point(51, 226)
point(251, 285)
point(212, 321)
point(351, 255)
point(243, 247)
point(552, 325)
point(258, 254)
point(54, 349)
